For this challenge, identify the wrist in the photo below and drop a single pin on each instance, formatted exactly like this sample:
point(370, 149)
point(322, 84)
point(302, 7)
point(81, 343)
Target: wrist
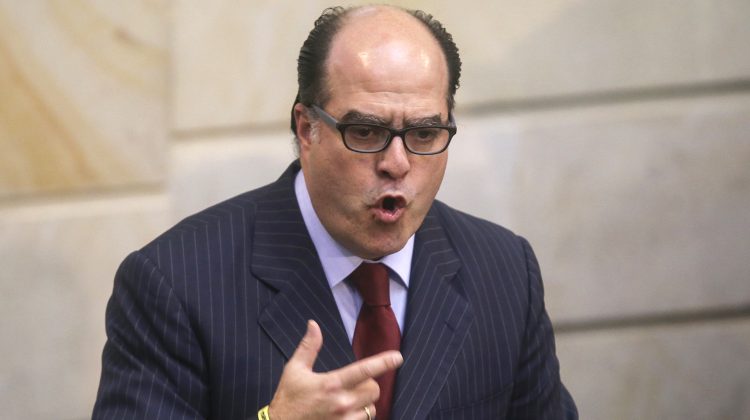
point(263, 413)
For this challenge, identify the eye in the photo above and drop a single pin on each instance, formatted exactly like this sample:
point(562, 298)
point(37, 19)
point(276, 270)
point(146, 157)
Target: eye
point(366, 133)
point(361, 131)
point(425, 134)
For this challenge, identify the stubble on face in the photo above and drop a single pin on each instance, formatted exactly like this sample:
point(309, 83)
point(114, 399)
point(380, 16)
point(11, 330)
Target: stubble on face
point(390, 67)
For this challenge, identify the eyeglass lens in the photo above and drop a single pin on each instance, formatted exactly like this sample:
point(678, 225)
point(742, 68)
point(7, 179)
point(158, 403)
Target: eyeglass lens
point(368, 138)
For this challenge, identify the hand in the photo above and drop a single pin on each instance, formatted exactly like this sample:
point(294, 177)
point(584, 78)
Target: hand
point(338, 394)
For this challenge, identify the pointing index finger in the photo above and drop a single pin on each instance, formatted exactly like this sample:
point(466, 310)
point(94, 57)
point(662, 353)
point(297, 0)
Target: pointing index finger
point(370, 367)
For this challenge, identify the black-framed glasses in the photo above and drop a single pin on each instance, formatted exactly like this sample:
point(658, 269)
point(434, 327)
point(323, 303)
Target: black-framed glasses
point(373, 138)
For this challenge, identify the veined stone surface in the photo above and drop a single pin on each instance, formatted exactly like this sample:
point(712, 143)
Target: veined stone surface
point(83, 89)
point(59, 261)
point(632, 209)
point(235, 63)
point(205, 172)
point(540, 49)
point(691, 371)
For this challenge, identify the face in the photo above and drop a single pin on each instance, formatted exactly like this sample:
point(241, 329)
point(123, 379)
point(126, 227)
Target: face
point(383, 66)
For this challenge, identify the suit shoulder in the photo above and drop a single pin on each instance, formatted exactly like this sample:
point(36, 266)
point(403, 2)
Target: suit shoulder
point(471, 235)
point(456, 219)
point(234, 215)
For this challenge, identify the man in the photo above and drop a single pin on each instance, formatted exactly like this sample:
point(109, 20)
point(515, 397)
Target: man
point(342, 290)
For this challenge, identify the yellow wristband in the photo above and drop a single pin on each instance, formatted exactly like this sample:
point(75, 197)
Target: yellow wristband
point(263, 414)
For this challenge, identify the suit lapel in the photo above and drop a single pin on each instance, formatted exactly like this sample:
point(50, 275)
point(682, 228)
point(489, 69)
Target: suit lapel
point(285, 259)
point(438, 319)
point(438, 315)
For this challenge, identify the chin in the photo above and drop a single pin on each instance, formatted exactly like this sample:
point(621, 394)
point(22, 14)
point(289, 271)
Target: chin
point(379, 241)
point(381, 250)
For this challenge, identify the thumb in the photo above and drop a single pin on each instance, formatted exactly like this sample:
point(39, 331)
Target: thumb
point(309, 346)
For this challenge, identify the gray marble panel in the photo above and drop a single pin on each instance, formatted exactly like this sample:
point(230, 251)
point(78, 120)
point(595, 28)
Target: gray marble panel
point(525, 50)
point(235, 63)
point(207, 171)
point(632, 209)
point(692, 371)
point(58, 264)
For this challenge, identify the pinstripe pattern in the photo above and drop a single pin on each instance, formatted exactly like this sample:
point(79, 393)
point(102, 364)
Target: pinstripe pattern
point(202, 320)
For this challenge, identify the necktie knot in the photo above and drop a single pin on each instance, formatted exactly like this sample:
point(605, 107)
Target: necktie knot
point(371, 280)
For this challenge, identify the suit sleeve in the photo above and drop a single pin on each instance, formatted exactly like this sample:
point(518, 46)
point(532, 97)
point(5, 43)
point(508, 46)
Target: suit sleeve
point(152, 364)
point(538, 392)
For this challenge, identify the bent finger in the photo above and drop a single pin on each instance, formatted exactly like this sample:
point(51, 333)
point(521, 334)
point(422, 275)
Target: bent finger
point(366, 392)
point(367, 368)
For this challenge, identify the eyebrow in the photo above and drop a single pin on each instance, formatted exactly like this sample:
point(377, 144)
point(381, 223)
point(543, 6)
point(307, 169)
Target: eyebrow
point(354, 117)
point(424, 121)
point(359, 117)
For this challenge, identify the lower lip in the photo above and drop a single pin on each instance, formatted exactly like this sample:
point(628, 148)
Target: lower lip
point(385, 216)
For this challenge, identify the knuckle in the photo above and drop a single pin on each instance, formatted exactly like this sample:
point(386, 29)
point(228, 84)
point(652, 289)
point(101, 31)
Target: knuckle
point(373, 389)
point(342, 404)
point(305, 343)
point(289, 370)
point(391, 363)
point(331, 384)
point(366, 370)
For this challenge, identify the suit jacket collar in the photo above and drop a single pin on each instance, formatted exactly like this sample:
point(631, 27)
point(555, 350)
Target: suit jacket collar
point(438, 315)
point(437, 321)
point(284, 257)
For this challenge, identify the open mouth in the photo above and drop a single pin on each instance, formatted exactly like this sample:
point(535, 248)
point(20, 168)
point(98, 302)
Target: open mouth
point(390, 208)
point(389, 204)
point(392, 204)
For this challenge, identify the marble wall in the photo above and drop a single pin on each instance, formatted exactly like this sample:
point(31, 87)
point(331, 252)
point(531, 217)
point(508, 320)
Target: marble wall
point(83, 102)
point(612, 134)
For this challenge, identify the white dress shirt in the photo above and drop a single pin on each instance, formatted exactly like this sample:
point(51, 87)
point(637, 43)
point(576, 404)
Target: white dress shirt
point(338, 263)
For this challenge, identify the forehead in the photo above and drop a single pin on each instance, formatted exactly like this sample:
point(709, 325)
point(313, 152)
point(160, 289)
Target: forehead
point(384, 55)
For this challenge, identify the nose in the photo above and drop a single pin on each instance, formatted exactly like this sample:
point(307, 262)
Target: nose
point(394, 160)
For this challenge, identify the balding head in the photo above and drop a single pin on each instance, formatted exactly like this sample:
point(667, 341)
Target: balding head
point(387, 51)
point(312, 63)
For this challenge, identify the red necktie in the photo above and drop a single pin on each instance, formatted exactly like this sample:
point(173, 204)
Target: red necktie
point(377, 329)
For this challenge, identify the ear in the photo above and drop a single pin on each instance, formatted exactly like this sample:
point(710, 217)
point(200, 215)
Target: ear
point(304, 127)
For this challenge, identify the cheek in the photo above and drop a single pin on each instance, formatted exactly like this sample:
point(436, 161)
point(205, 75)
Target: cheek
point(433, 177)
point(343, 180)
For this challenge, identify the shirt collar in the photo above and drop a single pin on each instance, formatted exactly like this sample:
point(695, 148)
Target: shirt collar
point(336, 260)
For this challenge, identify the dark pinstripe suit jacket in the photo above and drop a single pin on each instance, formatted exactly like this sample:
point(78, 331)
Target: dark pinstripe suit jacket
point(202, 319)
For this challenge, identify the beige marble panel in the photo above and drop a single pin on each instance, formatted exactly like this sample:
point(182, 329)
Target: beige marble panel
point(235, 63)
point(516, 50)
point(207, 171)
point(58, 264)
point(83, 95)
point(697, 371)
point(632, 209)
